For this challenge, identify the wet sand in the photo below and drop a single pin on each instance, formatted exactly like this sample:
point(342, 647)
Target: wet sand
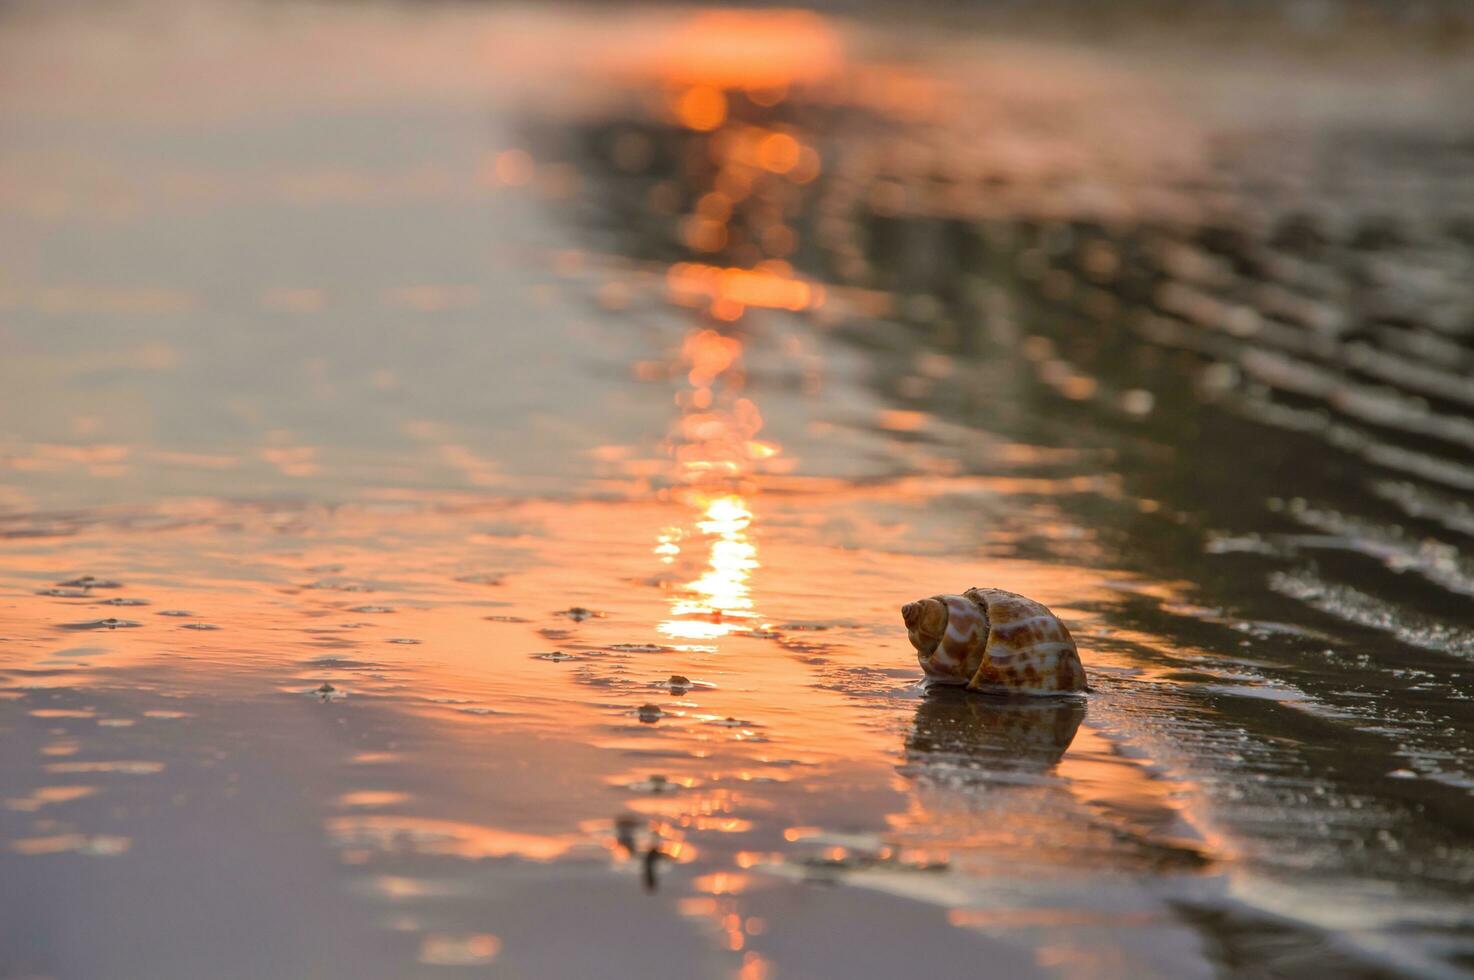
point(460, 469)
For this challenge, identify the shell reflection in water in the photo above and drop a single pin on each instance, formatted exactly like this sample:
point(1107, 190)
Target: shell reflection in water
point(995, 785)
point(953, 729)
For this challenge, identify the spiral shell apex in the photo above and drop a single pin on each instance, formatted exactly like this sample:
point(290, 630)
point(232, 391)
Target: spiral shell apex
point(993, 642)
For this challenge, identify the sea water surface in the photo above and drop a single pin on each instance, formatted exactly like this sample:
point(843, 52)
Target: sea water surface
point(460, 468)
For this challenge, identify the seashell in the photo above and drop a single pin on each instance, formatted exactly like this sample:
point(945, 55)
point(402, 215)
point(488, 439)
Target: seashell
point(994, 642)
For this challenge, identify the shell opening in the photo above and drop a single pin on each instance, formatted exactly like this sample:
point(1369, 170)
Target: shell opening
point(926, 624)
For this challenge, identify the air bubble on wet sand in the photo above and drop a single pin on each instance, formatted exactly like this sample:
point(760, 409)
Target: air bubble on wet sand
point(90, 582)
point(655, 784)
point(101, 624)
point(728, 722)
point(681, 684)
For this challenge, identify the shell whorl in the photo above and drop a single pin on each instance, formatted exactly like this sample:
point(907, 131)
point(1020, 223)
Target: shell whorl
point(995, 642)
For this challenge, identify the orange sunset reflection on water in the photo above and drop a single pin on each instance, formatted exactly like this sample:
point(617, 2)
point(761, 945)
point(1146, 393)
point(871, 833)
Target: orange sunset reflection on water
point(720, 600)
point(716, 453)
point(741, 180)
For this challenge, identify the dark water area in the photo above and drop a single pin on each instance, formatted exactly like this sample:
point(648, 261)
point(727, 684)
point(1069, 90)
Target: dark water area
point(460, 468)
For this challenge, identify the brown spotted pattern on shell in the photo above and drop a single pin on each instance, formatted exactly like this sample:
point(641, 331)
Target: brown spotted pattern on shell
point(994, 642)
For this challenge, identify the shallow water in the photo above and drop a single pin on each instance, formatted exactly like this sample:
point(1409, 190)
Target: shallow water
point(462, 468)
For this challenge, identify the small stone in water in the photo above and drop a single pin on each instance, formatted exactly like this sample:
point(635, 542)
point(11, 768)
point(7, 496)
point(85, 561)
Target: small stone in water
point(650, 713)
point(624, 832)
point(557, 656)
point(102, 624)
